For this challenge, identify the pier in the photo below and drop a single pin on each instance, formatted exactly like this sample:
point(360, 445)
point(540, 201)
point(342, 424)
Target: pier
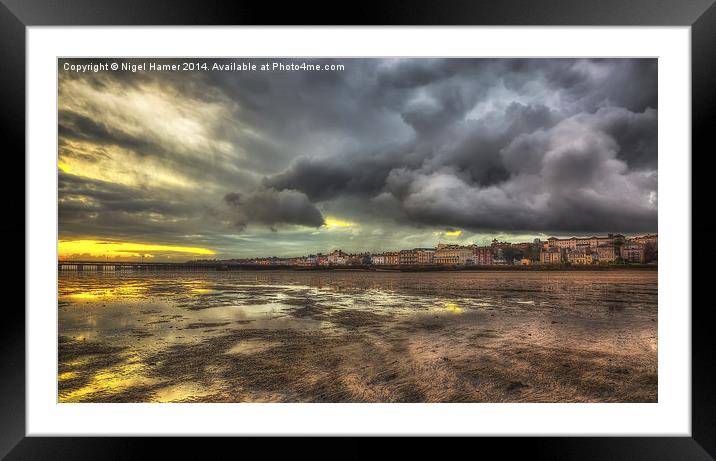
point(112, 266)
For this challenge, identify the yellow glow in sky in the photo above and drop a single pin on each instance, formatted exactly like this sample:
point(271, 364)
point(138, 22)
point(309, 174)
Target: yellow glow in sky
point(64, 166)
point(119, 166)
point(335, 222)
point(99, 248)
point(451, 234)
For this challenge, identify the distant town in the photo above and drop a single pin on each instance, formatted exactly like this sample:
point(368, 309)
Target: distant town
point(612, 249)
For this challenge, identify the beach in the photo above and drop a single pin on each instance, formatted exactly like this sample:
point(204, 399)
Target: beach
point(352, 336)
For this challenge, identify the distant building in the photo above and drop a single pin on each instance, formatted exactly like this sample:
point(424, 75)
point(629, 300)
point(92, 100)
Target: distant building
point(408, 257)
point(645, 239)
point(392, 258)
point(337, 258)
point(483, 255)
point(633, 253)
point(574, 243)
point(579, 257)
point(573, 250)
point(522, 246)
point(378, 260)
point(425, 255)
point(551, 256)
point(453, 255)
point(606, 253)
point(357, 259)
point(497, 244)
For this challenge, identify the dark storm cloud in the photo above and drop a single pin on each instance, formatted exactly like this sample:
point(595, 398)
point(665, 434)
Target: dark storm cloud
point(558, 146)
point(529, 145)
point(329, 178)
point(569, 178)
point(273, 208)
point(475, 148)
point(635, 133)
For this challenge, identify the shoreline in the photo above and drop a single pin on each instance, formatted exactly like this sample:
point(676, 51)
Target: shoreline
point(102, 266)
point(535, 268)
point(259, 268)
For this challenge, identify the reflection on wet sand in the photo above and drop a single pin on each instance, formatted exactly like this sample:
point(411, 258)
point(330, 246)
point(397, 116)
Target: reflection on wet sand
point(358, 337)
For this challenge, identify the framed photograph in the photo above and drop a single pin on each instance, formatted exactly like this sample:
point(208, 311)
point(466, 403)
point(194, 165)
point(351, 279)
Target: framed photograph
point(441, 221)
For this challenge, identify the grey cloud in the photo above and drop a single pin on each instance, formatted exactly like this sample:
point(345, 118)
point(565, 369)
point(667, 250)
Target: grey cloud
point(199, 165)
point(75, 126)
point(476, 146)
point(358, 173)
point(91, 208)
point(273, 208)
point(585, 84)
point(636, 134)
point(414, 73)
point(109, 196)
point(319, 180)
point(569, 178)
point(525, 167)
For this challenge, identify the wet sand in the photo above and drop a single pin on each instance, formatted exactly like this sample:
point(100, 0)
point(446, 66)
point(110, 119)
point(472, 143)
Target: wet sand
point(357, 337)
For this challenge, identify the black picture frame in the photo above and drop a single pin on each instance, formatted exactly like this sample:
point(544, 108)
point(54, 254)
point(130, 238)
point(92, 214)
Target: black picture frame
point(16, 15)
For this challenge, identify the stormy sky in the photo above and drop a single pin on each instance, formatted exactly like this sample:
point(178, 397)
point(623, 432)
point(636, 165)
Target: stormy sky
point(384, 154)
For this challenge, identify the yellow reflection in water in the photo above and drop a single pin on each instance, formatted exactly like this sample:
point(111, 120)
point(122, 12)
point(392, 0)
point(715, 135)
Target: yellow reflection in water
point(449, 307)
point(130, 290)
point(198, 286)
point(87, 296)
point(111, 380)
point(67, 375)
point(124, 290)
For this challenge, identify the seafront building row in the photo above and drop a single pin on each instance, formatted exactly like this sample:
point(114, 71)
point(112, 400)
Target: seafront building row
point(610, 249)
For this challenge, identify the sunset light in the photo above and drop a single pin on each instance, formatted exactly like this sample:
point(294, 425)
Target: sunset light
point(335, 222)
point(74, 249)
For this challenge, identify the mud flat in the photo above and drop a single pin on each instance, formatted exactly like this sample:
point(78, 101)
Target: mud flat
point(358, 337)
